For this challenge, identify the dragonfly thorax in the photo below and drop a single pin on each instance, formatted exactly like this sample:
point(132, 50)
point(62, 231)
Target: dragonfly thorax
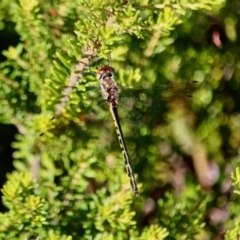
point(110, 91)
point(108, 85)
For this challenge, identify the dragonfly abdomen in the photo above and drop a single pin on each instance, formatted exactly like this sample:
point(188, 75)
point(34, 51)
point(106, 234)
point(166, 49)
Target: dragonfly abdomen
point(124, 150)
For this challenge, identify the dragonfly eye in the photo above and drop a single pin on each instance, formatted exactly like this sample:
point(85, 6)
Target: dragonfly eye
point(106, 74)
point(109, 74)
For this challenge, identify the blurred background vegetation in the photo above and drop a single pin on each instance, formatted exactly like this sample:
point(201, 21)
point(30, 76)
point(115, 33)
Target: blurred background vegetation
point(70, 183)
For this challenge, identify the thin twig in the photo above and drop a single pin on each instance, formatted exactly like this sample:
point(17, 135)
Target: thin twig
point(73, 80)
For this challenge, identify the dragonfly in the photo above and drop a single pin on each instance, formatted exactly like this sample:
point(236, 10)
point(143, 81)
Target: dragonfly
point(142, 105)
point(110, 93)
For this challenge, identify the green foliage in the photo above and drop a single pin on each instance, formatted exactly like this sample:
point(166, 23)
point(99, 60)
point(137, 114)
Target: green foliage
point(233, 223)
point(70, 183)
point(187, 221)
point(236, 180)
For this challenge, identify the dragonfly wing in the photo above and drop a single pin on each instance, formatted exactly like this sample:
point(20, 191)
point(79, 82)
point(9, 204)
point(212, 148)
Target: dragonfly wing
point(144, 105)
point(142, 109)
point(164, 90)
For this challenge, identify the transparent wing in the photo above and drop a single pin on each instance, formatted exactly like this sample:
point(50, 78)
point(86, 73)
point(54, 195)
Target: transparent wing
point(148, 105)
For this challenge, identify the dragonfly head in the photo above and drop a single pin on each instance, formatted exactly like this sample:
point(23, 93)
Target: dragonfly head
point(105, 71)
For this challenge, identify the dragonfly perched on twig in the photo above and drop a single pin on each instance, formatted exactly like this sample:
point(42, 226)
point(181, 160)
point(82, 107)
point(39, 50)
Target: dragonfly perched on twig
point(144, 103)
